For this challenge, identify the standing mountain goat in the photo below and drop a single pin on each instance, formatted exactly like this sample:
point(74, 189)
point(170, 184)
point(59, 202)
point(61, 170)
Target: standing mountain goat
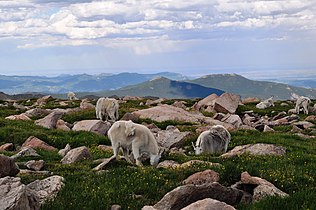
point(72, 96)
point(214, 140)
point(302, 102)
point(266, 103)
point(107, 108)
point(136, 138)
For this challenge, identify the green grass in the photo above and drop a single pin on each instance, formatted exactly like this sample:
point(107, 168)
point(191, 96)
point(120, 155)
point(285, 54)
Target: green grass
point(133, 187)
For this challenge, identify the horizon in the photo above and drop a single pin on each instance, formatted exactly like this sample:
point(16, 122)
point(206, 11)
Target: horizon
point(257, 39)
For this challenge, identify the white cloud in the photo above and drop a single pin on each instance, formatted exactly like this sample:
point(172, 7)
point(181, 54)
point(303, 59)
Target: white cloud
point(52, 23)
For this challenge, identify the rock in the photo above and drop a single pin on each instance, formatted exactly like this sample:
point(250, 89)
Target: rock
point(227, 103)
point(232, 119)
point(116, 207)
point(175, 150)
point(151, 102)
point(105, 163)
point(248, 120)
point(179, 104)
point(310, 118)
point(296, 129)
point(304, 124)
point(291, 111)
point(148, 208)
point(36, 173)
point(262, 188)
point(18, 117)
point(183, 196)
point(129, 116)
point(279, 116)
point(16, 196)
point(219, 116)
point(255, 149)
point(8, 166)
point(36, 143)
point(77, 154)
point(37, 112)
point(19, 106)
point(50, 121)
point(208, 204)
point(250, 100)
point(168, 164)
point(105, 148)
point(62, 125)
point(205, 102)
point(267, 129)
point(64, 151)
point(35, 165)
point(171, 138)
point(25, 151)
point(96, 126)
point(48, 188)
point(6, 147)
point(207, 176)
point(84, 104)
point(42, 101)
point(166, 112)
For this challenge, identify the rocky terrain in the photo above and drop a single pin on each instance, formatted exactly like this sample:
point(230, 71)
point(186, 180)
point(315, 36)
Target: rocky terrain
point(62, 145)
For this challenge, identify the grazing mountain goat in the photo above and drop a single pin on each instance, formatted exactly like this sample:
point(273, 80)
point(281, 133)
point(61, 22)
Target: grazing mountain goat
point(107, 108)
point(266, 103)
point(214, 140)
point(136, 138)
point(72, 96)
point(302, 102)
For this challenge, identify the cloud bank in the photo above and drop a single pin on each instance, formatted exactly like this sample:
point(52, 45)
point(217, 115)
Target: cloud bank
point(154, 26)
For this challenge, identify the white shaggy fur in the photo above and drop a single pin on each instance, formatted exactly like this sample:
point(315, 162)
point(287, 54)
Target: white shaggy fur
point(107, 108)
point(72, 96)
point(214, 140)
point(302, 102)
point(136, 138)
point(266, 103)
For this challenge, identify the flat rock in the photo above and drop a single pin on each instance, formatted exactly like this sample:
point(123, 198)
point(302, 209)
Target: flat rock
point(36, 143)
point(37, 112)
point(18, 117)
point(77, 154)
point(8, 166)
point(256, 149)
point(168, 164)
point(209, 204)
point(96, 126)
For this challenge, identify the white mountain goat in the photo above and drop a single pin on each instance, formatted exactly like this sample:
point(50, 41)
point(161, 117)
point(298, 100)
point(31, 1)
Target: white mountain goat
point(301, 102)
point(136, 138)
point(266, 103)
point(72, 96)
point(107, 108)
point(214, 140)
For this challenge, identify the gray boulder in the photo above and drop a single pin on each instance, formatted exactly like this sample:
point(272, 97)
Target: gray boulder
point(256, 149)
point(77, 154)
point(8, 166)
point(50, 121)
point(96, 126)
point(209, 204)
point(227, 103)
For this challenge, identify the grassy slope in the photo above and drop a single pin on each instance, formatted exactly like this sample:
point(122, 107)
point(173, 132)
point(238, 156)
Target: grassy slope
point(133, 187)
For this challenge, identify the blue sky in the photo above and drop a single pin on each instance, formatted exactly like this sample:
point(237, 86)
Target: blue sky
point(254, 38)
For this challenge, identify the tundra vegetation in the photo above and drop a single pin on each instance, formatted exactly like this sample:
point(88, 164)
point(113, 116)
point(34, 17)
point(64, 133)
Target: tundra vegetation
point(133, 187)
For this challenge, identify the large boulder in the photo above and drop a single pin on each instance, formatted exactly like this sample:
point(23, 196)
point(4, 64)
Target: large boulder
point(85, 104)
point(48, 188)
point(50, 121)
point(209, 204)
point(227, 103)
point(77, 154)
point(37, 112)
point(205, 102)
point(166, 112)
point(36, 143)
point(8, 166)
point(256, 149)
point(171, 137)
point(16, 196)
point(96, 126)
point(22, 116)
point(232, 119)
point(42, 101)
point(183, 196)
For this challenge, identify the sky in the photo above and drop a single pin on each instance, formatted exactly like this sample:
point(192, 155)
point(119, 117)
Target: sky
point(250, 37)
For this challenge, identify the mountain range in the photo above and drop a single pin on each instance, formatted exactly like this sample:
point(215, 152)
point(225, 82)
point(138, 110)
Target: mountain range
point(164, 84)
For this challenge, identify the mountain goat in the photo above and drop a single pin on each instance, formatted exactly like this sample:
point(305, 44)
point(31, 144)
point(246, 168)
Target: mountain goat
point(72, 96)
point(302, 102)
point(136, 138)
point(107, 108)
point(266, 103)
point(214, 140)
